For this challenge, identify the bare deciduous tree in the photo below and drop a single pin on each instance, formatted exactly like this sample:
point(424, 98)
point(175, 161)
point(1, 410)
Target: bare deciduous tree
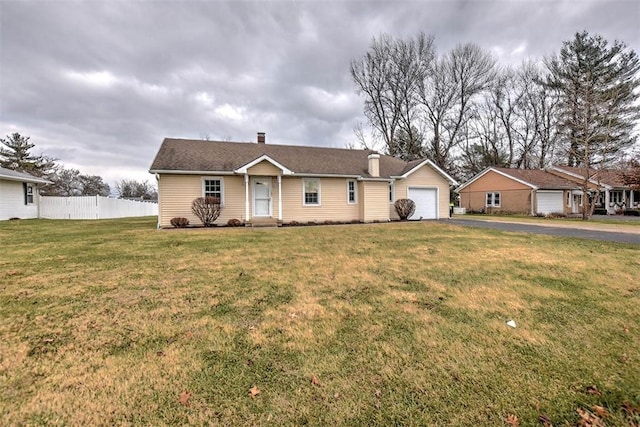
point(448, 95)
point(389, 76)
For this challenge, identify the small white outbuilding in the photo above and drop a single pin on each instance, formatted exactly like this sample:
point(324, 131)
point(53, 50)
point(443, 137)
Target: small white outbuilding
point(19, 194)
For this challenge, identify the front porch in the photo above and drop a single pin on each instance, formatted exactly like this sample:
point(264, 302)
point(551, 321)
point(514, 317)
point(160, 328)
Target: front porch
point(617, 200)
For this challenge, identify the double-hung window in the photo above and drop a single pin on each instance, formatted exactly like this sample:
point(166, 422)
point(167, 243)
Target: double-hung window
point(391, 192)
point(213, 187)
point(311, 191)
point(493, 200)
point(352, 196)
point(28, 194)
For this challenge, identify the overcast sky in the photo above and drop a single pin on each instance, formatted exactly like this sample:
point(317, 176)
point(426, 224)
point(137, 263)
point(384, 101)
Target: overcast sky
point(99, 84)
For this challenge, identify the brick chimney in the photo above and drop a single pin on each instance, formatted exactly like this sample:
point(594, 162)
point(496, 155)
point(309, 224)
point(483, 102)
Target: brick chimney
point(374, 164)
point(261, 138)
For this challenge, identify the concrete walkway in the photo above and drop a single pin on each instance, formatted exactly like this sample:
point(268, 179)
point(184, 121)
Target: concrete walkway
point(584, 230)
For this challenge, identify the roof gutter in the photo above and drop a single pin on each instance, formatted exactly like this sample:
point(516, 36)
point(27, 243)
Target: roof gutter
point(184, 172)
point(390, 179)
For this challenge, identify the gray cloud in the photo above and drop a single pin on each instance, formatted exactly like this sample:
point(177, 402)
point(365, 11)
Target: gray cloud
point(99, 84)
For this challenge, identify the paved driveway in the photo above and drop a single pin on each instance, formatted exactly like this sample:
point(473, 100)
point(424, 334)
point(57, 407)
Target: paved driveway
point(556, 230)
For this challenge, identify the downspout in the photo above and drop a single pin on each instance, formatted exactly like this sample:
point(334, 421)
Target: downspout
point(159, 211)
point(280, 198)
point(246, 197)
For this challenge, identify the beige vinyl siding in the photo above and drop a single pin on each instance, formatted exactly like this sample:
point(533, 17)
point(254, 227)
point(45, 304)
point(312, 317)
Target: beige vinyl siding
point(375, 199)
point(428, 178)
point(177, 192)
point(333, 202)
point(392, 209)
point(264, 168)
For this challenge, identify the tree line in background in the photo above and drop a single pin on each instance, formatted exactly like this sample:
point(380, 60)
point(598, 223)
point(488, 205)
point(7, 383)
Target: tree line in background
point(465, 112)
point(15, 154)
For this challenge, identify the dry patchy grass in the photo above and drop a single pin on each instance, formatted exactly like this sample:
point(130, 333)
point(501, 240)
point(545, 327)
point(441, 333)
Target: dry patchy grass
point(115, 323)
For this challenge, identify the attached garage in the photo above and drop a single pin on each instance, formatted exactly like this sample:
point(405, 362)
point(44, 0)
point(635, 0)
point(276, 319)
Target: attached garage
point(549, 202)
point(426, 200)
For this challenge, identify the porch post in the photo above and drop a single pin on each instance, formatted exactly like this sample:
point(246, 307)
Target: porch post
point(625, 199)
point(607, 199)
point(246, 197)
point(279, 197)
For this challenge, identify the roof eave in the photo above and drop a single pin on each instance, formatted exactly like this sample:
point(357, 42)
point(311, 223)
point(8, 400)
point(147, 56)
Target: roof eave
point(487, 170)
point(578, 176)
point(244, 169)
point(379, 179)
point(326, 175)
point(24, 179)
point(433, 166)
point(188, 172)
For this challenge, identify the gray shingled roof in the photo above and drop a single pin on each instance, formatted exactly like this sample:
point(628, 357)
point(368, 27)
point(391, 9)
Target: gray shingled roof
point(188, 155)
point(539, 178)
point(12, 175)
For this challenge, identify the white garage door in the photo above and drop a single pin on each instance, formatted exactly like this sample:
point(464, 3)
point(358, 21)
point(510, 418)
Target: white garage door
point(426, 200)
point(549, 202)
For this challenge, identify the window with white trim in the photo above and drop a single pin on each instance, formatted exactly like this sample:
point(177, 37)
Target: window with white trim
point(391, 192)
point(213, 187)
point(311, 191)
point(28, 194)
point(352, 196)
point(493, 200)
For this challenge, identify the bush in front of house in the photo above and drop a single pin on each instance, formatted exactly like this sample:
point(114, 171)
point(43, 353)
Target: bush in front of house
point(179, 222)
point(632, 212)
point(208, 209)
point(234, 222)
point(404, 208)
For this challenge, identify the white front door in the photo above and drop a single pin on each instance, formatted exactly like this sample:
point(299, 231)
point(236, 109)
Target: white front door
point(262, 197)
point(577, 201)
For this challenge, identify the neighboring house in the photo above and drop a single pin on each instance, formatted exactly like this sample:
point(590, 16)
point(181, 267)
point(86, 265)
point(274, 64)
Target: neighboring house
point(531, 192)
point(19, 194)
point(268, 183)
point(615, 195)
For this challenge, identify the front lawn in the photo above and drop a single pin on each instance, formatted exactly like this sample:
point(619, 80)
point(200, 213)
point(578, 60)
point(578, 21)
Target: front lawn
point(115, 323)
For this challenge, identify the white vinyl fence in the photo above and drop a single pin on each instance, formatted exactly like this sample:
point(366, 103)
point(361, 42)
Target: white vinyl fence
point(94, 207)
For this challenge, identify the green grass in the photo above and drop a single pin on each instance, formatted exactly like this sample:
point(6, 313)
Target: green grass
point(116, 323)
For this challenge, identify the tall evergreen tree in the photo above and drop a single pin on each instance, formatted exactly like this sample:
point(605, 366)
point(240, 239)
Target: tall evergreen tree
point(16, 155)
point(596, 85)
